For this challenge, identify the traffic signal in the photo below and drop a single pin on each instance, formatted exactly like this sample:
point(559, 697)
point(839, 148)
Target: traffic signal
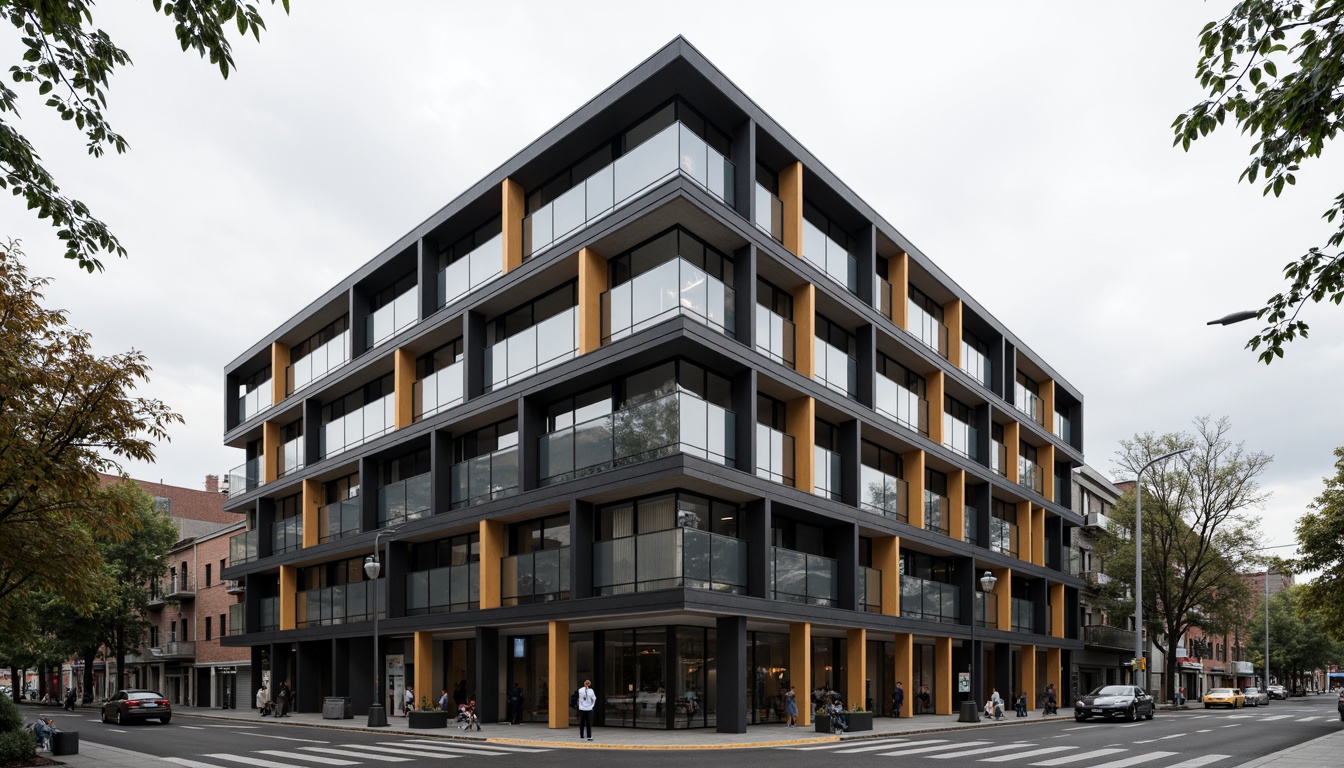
point(1143, 664)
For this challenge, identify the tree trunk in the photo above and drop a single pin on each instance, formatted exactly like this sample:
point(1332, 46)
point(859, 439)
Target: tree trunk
point(41, 682)
point(1170, 669)
point(89, 655)
point(120, 650)
point(15, 690)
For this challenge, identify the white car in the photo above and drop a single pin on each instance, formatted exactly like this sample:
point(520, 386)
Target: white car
point(1256, 697)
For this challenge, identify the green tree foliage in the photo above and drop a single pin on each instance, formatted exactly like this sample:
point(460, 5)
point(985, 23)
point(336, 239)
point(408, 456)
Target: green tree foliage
point(1196, 535)
point(15, 745)
point(68, 64)
point(1299, 639)
point(1274, 67)
point(65, 415)
point(1320, 538)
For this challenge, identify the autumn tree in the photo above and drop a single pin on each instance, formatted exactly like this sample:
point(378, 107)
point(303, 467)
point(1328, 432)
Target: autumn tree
point(1320, 539)
point(68, 63)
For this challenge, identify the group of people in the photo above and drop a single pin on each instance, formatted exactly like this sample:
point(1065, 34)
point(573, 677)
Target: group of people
point(279, 706)
point(924, 698)
point(1049, 702)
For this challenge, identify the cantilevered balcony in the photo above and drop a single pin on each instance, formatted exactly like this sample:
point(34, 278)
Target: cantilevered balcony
point(902, 405)
point(485, 478)
point(670, 559)
point(775, 336)
point(341, 604)
point(870, 590)
point(536, 577)
point(1030, 475)
point(532, 350)
point(237, 619)
point(243, 547)
point(830, 257)
point(484, 263)
point(1102, 636)
point(937, 513)
point(446, 589)
point(1003, 536)
point(390, 318)
point(438, 391)
point(339, 520)
point(403, 501)
point(774, 455)
point(797, 577)
point(930, 600)
point(254, 401)
point(318, 363)
point(287, 535)
point(174, 650)
point(1028, 403)
point(245, 477)
point(769, 213)
point(883, 494)
point(673, 288)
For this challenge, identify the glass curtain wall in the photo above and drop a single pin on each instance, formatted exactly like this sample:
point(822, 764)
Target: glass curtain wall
point(444, 575)
point(837, 364)
point(530, 338)
point(675, 273)
point(485, 464)
point(900, 395)
point(768, 677)
point(667, 541)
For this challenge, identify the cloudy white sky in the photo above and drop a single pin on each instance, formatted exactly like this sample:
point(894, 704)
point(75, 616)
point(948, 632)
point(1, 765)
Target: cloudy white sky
point(1025, 147)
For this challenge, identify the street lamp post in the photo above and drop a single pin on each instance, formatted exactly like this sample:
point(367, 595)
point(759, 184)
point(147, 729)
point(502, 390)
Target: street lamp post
point(970, 710)
point(1138, 562)
point(372, 567)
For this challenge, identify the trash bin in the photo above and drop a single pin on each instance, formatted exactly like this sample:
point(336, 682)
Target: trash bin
point(337, 708)
point(65, 743)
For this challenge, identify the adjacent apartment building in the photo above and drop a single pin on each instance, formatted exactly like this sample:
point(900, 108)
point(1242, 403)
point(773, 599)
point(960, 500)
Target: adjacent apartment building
point(660, 403)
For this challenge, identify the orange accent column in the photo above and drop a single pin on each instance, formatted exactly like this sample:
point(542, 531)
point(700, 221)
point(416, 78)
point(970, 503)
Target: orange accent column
point(592, 283)
point(791, 195)
point(270, 451)
point(956, 499)
point(904, 664)
point(1012, 441)
point(805, 330)
point(423, 647)
point(558, 683)
point(887, 558)
point(898, 273)
point(952, 318)
point(800, 668)
point(514, 209)
point(1026, 673)
point(937, 406)
point(1057, 612)
point(800, 421)
point(289, 587)
point(403, 385)
point(279, 362)
point(1038, 535)
point(914, 483)
point(492, 552)
point(856, 666)
point(943, 683)
point(1003, 594)
point(311, 503)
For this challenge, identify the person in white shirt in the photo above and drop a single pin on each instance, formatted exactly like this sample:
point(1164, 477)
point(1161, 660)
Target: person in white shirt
point(997, 701)
point(587, 700)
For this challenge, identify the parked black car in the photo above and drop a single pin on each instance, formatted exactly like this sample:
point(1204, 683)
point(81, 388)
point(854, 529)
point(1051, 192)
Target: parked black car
point(1125, 701)
point(137, 704)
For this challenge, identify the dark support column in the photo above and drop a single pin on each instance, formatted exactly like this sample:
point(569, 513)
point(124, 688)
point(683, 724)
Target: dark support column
point(730, 640)
point(473, 352)
point(360, 661)
point(744, 158)
point(531, 426)
point(756, 521)
point(866, 243)
point(265, 520)
point(980, 499)
point(851, 459)
point(1070, 613)
point(865, 337)
point(252, 595)
point(312, 429)
point(1056, 532)
point(744, 295)
point(440, 471)
point(428, 283)
point(983, 433)
point(845, 544)
point(308, 678)
point(339, 669)
point(368, 494)
point(280, 671)
point(487, 674)
point(231, 405)
point(1003, 671)
point(258, 657)
point(1006, 368)
point(359, 314)
point(599, 664)
point(744, 405)
point(582, 524)
point(395, 569)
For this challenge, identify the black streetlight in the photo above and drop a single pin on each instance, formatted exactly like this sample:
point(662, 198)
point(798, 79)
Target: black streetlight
point(372, 567)
point(970, 709)
point(1235, 317)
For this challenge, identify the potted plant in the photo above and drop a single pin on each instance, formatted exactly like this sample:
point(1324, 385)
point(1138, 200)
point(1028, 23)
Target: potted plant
point(426, 716)
point(857, 719)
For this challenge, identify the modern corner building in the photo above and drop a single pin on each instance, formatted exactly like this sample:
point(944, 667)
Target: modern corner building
point(662, 403)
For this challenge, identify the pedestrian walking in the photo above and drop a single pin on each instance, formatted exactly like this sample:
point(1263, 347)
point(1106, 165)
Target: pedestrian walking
point(443, 700)
point(70, 699)
point(514, 704)
point(408, 703)
point(897, 699)
point(925, 700)
point(997, 702)
point(791, 708)
point(282, 700)
point(587, 701)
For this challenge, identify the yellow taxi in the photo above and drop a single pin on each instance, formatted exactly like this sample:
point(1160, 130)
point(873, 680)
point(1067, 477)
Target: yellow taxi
point(1224, 697)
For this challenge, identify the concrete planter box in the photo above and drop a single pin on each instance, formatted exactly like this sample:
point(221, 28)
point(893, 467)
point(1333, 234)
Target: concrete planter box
point(418, 719)
point(858, 721)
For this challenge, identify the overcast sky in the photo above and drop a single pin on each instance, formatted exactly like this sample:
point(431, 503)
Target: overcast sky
point(1024, 147)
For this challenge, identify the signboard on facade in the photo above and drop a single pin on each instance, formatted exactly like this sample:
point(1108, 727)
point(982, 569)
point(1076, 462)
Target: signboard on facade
point(963, 682)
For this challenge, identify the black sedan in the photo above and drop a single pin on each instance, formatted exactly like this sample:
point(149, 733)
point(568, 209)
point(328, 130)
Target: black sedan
point(137, 704)
point(1125, 701)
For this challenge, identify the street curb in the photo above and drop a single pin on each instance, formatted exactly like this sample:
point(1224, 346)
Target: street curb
point(664, 747)
point(1272, 757)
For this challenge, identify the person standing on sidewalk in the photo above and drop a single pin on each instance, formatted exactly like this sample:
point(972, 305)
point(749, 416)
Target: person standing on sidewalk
point(791, 708)
point(514, 704)
point(587, 700)
point(897, 700)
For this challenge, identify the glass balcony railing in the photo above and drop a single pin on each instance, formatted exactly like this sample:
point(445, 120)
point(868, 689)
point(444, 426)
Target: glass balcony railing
point(1029, 404)
point(270, 614)
point(835, 368)
point(975, 363)
point(937, 513)
point(961, 437)
point(245, 477)
point(673, 423)
point(237, 620)
point(318, 363)
point(532, 350)
point(830, 257)
point(244, 547)
point(1073, 561)
point(255, 401)
point(928, 329)
point(1109, 637)
point(774, 455)
point(357, 427)
point(930, 600)
point(986, 610)
point(870, 590)
point(1024, 615)
point(675, 287)
point(339, 520)
point(287, 535)
point(998, 458)
point(883, 494)
point(883, 296)
point(289, 458)
point(769, 213)
point(670, 559)
point(403, 501)
point(775, 336)
point(438, 391)
point(384, 323)
point(483, 264)
point(448, 589)
point(903, 405)
point(1063, 428)
point(485, 478)
point(971, 530)
point(1003, 536)
point(827, 474)
point(797, 577)
point(1030, 475)
point(536, 577)
point(675, 149)
point(341, 604)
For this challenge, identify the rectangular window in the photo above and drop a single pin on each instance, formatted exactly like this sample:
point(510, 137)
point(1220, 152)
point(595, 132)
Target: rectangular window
point(828, 461)
point(207, 574)
point(439, 380)
point(222, 630)
point(208, 635)
point(836, 360)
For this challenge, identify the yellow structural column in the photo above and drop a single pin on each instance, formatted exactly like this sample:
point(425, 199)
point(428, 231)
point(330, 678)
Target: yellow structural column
point(592, 283)
point(904, 669)
point(952, 312)
point(956, 499)
point(800, 668)
point(270, 452)
point(856, 666)
point(1047, 389)
point(557, 675)
point(279, 375)
point(898, 274)
point(492, 552)
point(1037, 535)
point(1054, 675)
point(937, 406)
point(1057, 610)
point(312, 502)
point(914, 483)
point(887, 559)
point(514, 209)
point(289, 587)
point(403, 384)
point(805, 330)
point(1026, 673)
point(791, 195)
point(800, 422)
point(1025, 539)
point(944, 683)
point(425, 690)
point(1012, 441)
point(1003, 594)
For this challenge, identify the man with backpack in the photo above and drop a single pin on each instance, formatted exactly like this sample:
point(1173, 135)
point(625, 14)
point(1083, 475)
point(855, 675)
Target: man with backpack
point(585, 699)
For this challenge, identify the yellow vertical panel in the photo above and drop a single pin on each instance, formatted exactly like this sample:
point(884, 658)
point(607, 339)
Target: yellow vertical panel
point(403, 385)
point(1038, 535)
point(805, 330)
point(943, 684)
point(800, 421)
point(914, 483)
point(887, 559)
point(312, 502)
point(904, 664)
point(279, 362)
point(1046, 457)
point(492, 552)
point(898, 272)
point(800, 668)
point(1003, 593)
point(952, 312)
point(423, 646)
point(791, 195)
point(1057, 612)
point(1026, 674)
point(514, 209)
point(592, 282)
point(557, 675)
point(856, 666)
point(1054, 674)
point(956, 499)
point(937, 405)
point(1048, 404)
point(289, 584)
point(1012, 436)
point(270, 451)
point(1026, 539)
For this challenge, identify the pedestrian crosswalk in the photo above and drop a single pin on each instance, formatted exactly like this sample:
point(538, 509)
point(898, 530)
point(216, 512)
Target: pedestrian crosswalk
point(380, 753)
point(1020, 754)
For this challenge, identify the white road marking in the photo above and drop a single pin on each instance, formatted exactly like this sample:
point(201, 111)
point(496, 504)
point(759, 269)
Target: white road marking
point(188, 763)
point(477, 745)
point(919, 750)
point(838, 744)
point(249, 760)
point(301, 756)
point(1132, 725)
point(116, 730)
point(408, 752)
point(1196, 762)
point(886, 744)
point(361, 755)
point(243, 727)
point(1078, 758)
point(192, 727)
point(1230, 725)
point(1274, 717)
point(980, 751)
point(1161, 738)
point(1081, 727)
point(1306, 719)
point(289, 738)
point(1135, 760)
point(1032, 753)
point(463, 750)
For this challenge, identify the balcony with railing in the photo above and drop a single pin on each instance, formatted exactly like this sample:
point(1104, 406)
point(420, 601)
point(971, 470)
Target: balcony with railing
point(769, 213)
point(438, 391)
point(234, 587)
point(1028, 403)
point(387, 320)
point(245, 477)
point(883, 494)
point(318, 363)
point(1024, 615)
point(1095, 579)
point(289, 457)
point(237, 619)
point(1073, 561)
point(156, 594)
point(998, 458)
point(830, 257)
point(884, 296)
point(270, 614)
point(1063, 428)
point(181, 588)
point(340, 604)
point(775, 336)
point(961, 437)
point(287, 535)
point(541, 576)
point(673, 288)
point(1102, 636)
point(448, 589)
point(930, 600)
point(774, 455)
point(835, 368)
point(1030, 475)
point(797, 577)
point(971, 526)
point(403, 501)
point(678, 422)
point(254, 401)
point(902, 405)
point(675, 149)
point(975, 363)
point(532, 350)
point(928, 329)
point(986, 610)
point(485, 478)
point(174, 650)
point(870, 590)
point(244, 547)
point(484, 263)
point(361, 425)
point(937, 513)
point(676, 558)
point(338, 520)
point(1002, 536)
point(827, 475)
